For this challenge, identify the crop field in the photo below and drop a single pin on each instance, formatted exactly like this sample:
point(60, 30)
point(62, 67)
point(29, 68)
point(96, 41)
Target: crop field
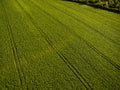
point(58, 45)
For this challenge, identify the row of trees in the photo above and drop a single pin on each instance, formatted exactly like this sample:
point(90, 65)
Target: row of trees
point(114, 4)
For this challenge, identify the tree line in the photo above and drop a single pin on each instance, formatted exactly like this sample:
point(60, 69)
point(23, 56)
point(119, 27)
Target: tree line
point(109, 4)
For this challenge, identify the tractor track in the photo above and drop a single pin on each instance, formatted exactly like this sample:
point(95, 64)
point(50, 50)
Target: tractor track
point(87, 43)
point(64, 59)
point(14, 49)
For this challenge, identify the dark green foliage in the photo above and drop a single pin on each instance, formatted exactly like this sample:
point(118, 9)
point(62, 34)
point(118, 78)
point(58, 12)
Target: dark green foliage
point(113, 5)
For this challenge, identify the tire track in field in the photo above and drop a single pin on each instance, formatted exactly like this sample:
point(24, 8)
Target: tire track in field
point(90, 45)
point(63, 58)
point(87, 43)
point(14, 50)
point(86, 24)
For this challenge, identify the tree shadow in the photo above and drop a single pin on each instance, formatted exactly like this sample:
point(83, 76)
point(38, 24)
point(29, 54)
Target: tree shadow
point(96, 6)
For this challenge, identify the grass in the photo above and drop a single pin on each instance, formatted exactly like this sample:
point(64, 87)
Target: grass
point(57, 44)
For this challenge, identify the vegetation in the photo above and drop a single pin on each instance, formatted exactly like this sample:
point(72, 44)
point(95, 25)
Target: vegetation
point(113, 5)
point(58, 45)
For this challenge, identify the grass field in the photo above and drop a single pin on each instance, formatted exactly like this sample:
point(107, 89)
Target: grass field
point(58, 45)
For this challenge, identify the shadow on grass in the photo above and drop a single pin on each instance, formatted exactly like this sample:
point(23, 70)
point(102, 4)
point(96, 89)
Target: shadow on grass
point(94, 5)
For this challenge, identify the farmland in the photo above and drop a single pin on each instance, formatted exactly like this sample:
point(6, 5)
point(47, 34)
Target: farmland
point(58, 45)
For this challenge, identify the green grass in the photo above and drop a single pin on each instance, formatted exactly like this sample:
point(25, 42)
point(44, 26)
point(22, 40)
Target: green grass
point(55, 44)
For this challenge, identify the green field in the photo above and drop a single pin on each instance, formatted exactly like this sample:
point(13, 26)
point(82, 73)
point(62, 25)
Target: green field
point(58, 45)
